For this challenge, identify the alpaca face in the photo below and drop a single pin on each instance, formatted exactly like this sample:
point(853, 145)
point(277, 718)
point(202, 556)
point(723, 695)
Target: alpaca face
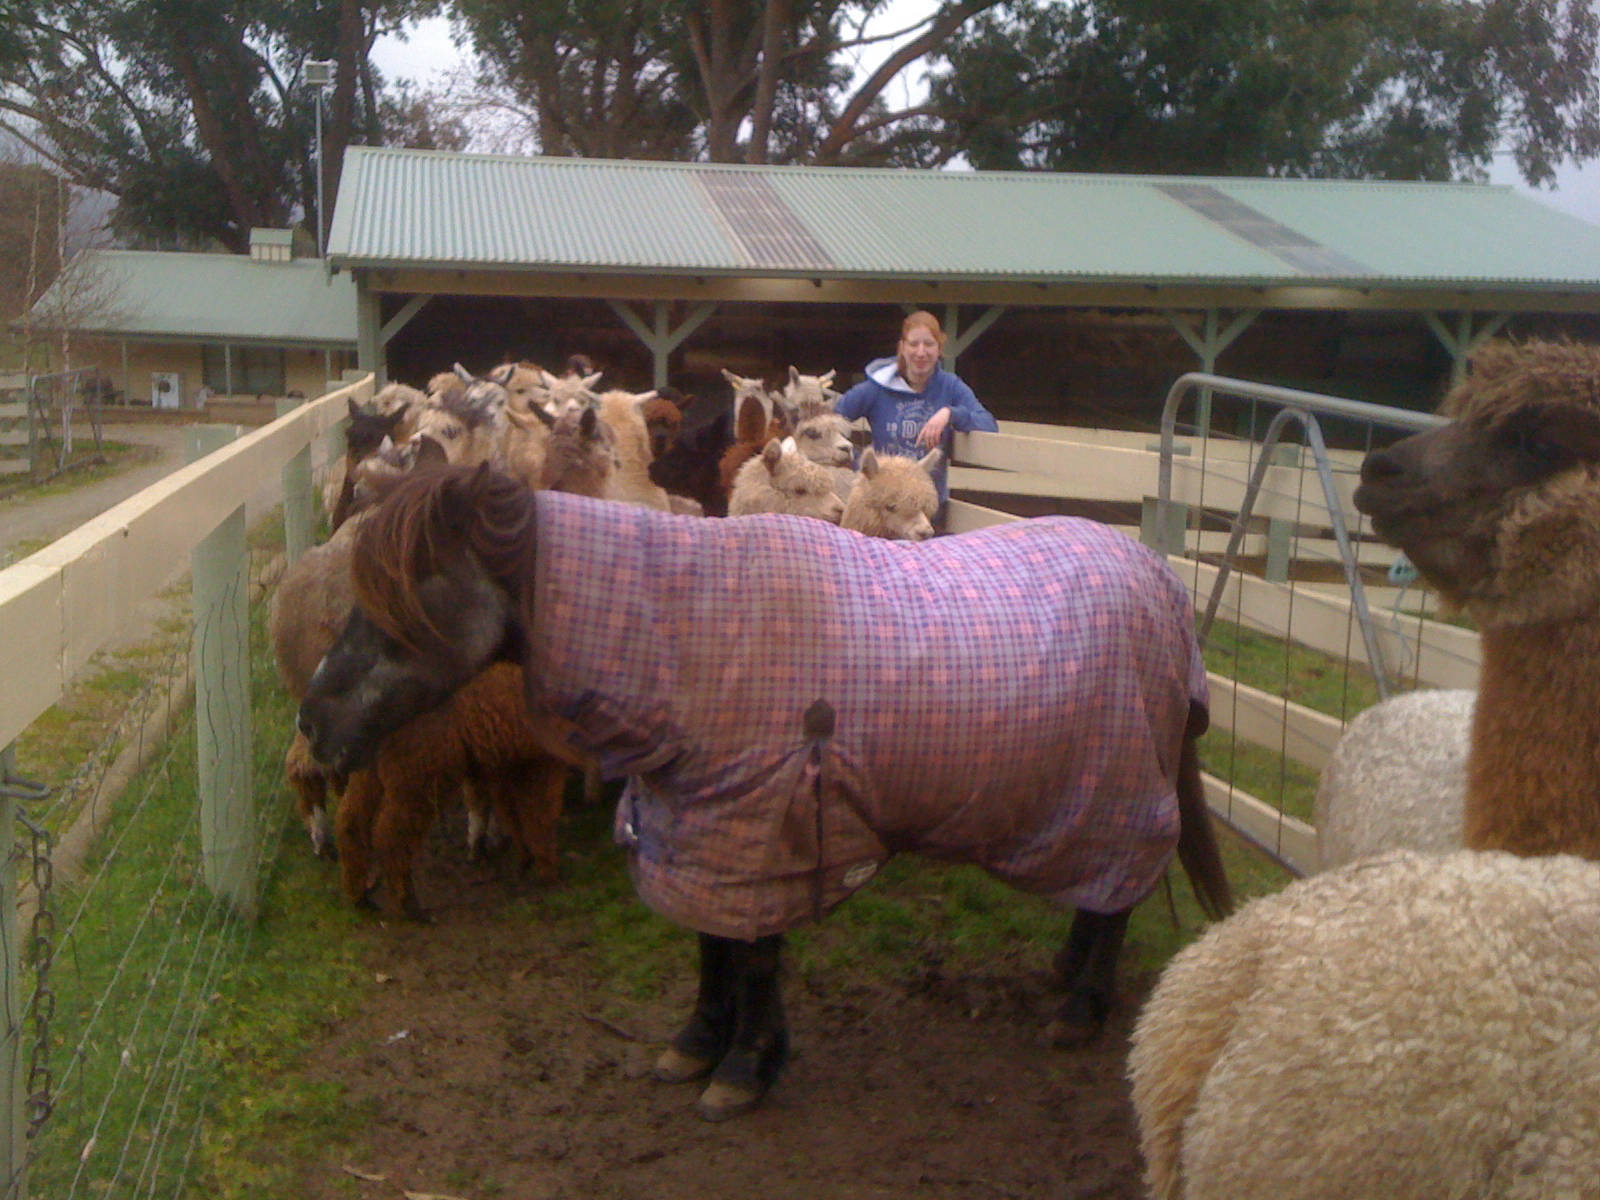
point(894, 498)
point(1492, 509)
point(825, 439)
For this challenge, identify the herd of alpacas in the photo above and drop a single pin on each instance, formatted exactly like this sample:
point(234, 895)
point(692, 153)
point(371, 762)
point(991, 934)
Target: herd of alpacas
point(1419, 1019)
point(780, 450)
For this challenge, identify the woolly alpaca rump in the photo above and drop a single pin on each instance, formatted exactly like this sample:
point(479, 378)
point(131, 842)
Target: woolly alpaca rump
point(894, 497)
point(1397, 778)
point(1407, 1027)
point(1500, 511)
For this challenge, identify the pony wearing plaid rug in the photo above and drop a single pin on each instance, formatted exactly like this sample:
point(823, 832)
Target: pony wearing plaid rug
point(792, 704)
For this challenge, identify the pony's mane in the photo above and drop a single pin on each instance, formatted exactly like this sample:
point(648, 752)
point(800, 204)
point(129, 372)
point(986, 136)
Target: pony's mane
point(425, 522)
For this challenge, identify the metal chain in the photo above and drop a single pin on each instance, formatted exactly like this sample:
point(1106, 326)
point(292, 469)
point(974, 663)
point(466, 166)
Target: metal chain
point(41, 1079)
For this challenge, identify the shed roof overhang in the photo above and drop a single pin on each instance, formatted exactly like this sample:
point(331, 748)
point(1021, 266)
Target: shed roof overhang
point(594, 283)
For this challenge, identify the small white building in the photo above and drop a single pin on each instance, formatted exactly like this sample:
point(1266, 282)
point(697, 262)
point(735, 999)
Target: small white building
point(169, 330)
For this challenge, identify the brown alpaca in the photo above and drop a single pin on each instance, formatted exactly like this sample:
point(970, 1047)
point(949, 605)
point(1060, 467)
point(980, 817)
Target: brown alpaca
point(513, 767)
point(1500, 511)
point(894, 497)
point(757, 421)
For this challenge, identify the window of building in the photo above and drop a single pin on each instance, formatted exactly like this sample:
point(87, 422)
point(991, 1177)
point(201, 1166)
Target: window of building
point(243, 370)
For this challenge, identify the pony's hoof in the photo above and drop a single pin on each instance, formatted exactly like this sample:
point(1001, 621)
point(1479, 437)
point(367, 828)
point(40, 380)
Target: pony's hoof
point(1079, 1021)
point(674, 1066)
point(721, 1101)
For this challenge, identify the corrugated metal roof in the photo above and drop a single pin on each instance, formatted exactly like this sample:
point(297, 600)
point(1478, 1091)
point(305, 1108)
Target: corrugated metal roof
point(215, 297)
point(434, 209)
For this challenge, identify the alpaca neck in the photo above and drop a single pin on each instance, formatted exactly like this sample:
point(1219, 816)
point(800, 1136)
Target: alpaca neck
point(1533, 772)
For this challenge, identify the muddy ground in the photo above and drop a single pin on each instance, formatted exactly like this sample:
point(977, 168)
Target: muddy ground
point(499, 1060)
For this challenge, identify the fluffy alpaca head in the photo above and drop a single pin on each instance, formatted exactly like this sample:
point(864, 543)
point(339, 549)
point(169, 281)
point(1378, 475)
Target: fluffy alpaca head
point(825, 438)
point(569, 393)
point(524, 384)
point(663, 419)
point(1500, 510)
point(894, 497)
point(784, 481)
point(806, 396)
point(581, 456)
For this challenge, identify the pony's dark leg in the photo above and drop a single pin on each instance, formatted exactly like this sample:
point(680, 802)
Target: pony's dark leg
point(760, 1048)
point(697, 1048)
point(1087, 967)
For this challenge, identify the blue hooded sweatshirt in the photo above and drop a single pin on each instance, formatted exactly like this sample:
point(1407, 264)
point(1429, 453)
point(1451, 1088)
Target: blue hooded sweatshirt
point(897, 413)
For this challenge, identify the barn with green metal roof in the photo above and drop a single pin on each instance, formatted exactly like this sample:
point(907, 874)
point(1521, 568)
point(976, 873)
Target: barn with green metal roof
point(1061, 292)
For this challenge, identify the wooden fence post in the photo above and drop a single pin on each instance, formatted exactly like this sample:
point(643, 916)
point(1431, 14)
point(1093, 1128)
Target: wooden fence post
point(296, 495)
point(220, 565)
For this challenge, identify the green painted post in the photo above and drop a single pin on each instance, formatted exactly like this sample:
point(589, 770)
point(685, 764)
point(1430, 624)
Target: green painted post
point(296, 494)
point(1280, 533)
point(1164, 528)
point(221, 570)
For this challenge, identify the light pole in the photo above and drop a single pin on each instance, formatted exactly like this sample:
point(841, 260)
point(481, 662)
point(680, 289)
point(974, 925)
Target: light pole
point(319, 74)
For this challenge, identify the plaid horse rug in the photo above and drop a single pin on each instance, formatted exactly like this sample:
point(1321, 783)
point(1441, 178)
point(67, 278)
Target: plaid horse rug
point(1014, 697)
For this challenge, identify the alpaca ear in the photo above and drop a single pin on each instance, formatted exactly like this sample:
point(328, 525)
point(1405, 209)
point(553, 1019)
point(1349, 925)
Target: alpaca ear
point(772, 454)
point(827, 380)
point(869, 463)
point(794, 375)
point(589, 381)
point(929, 462)
point(502, 374)
point(429, 453)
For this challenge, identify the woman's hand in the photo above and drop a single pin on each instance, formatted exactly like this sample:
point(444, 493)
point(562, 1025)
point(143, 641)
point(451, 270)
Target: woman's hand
point(932, 433)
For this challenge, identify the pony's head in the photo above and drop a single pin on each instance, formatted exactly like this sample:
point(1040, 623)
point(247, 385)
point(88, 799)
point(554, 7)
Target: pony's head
point(436, 570)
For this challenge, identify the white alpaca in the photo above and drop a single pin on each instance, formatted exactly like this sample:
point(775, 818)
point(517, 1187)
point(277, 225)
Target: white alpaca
point(1408, 1027)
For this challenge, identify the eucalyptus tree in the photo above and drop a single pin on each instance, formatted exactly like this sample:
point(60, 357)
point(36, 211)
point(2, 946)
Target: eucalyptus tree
point(196, 114)
point(1416, 89)
point(725, 80)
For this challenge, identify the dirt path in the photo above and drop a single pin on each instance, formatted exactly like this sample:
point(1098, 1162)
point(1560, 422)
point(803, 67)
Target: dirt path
point(48, 517)
point(498, 1059)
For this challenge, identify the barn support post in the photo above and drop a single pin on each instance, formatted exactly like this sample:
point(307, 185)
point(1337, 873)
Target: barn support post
point(1462, 340)
point(662, 340)
point(401, 319)
point(958, 340)
point(369, 334)
point(1208, 342)
point(297, 502)
point(220, 565)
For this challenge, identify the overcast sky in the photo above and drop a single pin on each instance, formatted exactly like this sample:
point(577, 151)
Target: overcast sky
point(429, 54)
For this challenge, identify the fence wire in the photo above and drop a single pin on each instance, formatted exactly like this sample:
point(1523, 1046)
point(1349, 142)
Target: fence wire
point(142, 945)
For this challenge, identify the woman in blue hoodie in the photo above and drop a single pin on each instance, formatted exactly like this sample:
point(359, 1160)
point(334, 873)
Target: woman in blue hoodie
point(911, 402)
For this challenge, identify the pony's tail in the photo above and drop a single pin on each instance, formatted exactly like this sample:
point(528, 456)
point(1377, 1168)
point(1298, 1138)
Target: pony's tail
point(1197, 839)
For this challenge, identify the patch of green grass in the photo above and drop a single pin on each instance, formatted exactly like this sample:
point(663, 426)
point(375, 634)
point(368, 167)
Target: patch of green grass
point(84, 466)
point(172, 1011)
point(1305, 676)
